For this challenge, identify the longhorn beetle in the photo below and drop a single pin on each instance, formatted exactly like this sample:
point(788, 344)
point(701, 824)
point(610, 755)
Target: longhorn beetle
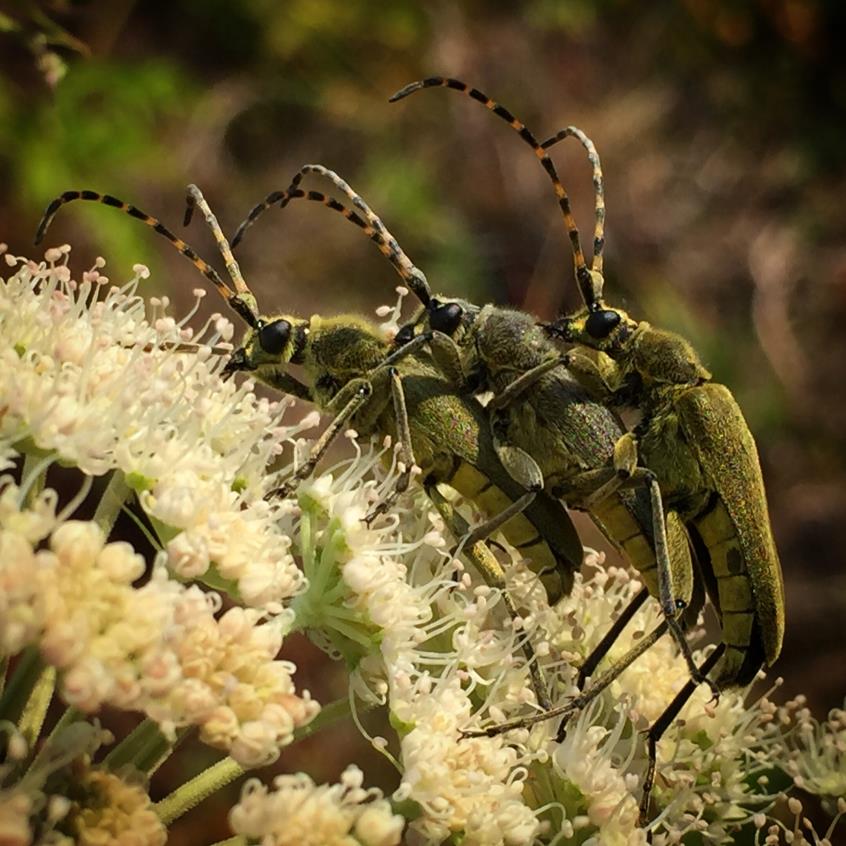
point(535, 425)
point(353, 371)
point(576, 435)
point(692, 436)
point(549, 432)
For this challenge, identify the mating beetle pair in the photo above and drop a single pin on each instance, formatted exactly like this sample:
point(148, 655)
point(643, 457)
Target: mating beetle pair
point(692, 447)
point(681, 494)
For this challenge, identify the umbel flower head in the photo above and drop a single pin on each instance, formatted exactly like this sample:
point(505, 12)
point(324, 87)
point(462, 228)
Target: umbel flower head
point(188, 630)
point(89, 381)
point(297, 812)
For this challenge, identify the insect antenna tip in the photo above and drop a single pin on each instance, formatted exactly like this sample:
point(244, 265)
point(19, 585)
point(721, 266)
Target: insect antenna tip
point(404, 92)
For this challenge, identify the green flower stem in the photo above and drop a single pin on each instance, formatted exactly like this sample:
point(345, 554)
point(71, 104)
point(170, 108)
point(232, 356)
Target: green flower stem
point(144, 748)
point(70, 715)
point(157, 755)
point(35, 710)
point(306, 544)
point(33, 463)
point(24, 678)
point(116, 494)
point(225, 771)
point(329, 714)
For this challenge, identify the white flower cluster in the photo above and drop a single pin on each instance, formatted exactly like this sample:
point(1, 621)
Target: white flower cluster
point(360, 596)
point(817, 751)
point(473, 786)
point(420, 640)
point(88, 380)
point(299, 813)
point(159, 648)
point(708, 759)
point(86, 377)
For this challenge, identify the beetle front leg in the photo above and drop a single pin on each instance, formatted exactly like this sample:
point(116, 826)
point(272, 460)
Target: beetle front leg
point(405, 448)
point(447, 356)
point(525, 381)
point(352, 397)
point(600, 376)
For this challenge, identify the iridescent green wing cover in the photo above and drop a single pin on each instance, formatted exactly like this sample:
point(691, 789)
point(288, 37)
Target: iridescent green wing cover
point(720, 438)
point(446, 426)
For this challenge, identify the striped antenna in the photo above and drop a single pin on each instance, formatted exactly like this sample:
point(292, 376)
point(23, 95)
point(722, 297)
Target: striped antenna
point(234, 301)
point(583, 277)
point(368, 221)
point(598, 188)
point(194, 198)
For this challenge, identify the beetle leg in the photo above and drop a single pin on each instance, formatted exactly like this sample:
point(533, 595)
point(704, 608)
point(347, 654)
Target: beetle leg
point(628, 474)
point(353, 396)
point(608, 639)
point(494, 576)
point(488, 527)
point(577, 703)
point(406, 349)
point(405, 449)
point(600, 376)
point(657, 729)
point(523, 382)
point(286, 383)
point(520, 465)
point(447, 356)
point(672, 606)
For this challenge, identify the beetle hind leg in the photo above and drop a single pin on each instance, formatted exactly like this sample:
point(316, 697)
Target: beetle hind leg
point(664, 721)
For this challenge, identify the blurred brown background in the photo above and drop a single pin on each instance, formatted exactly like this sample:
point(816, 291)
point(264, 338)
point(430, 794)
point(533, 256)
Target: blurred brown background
point(722, 129)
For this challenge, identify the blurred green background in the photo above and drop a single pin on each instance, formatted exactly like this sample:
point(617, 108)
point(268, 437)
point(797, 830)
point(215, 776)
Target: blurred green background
point(722, 129)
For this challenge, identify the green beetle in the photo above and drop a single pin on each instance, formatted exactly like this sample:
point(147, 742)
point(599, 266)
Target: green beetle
point(692, 436)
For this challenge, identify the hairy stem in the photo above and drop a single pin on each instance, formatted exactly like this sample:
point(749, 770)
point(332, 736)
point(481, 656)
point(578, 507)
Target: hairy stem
point(217, 776)
point(36, 706)
point(24, 678)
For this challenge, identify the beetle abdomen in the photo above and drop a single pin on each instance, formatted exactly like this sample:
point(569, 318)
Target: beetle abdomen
point(554, 568)
point(734, 599)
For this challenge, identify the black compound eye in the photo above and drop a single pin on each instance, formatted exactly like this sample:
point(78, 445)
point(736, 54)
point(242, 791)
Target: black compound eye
point(274, 336)
point(446, 318)
point(404, 335)
point(600, 323)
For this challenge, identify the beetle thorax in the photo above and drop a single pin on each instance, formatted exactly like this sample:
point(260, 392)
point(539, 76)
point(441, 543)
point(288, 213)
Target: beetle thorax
point(508, 343)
